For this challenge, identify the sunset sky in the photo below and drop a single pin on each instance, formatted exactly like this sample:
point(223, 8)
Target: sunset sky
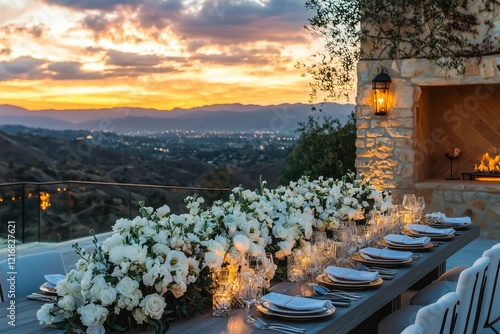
point(67, 54)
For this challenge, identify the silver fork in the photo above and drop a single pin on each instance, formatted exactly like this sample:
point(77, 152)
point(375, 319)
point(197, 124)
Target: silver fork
point(261, 324)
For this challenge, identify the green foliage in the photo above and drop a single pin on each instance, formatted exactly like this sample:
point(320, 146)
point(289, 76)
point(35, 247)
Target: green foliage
point(443, 31)
point(323, 149)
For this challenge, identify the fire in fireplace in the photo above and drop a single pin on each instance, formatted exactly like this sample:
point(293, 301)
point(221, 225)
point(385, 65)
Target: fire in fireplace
point(488, 169)
point(488, 164)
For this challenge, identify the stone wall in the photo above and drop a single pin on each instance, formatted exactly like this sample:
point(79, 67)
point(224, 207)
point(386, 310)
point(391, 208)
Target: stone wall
point(396, 150)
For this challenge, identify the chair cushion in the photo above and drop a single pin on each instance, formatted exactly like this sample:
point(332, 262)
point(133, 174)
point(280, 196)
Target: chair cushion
point(397, 321)
point(433, 292)
point(452, 274)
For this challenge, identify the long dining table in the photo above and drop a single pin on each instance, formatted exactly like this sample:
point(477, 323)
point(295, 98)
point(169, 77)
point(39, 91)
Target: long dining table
point(362, 316)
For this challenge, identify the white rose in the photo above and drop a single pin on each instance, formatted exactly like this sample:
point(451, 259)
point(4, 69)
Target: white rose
point(96, 328)
point(44, 314)
point(68, 303)
point(241, 243)
point(108, 295)
point(114, 240)
point(127, 286)
point(122, 224)
point(91, 314)
point(153, 306)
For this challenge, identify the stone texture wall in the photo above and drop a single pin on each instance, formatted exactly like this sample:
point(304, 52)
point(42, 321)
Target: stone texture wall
point(395, 150)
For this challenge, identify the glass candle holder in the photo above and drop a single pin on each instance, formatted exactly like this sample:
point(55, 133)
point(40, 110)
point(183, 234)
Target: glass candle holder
point(222, 295)
point(297, 267)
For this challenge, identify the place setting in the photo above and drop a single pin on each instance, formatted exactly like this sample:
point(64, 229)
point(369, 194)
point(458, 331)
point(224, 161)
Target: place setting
point(347, 278)
point(48, 289)
point(421, 230)
point(406, 242)
point(294, 307)
point(383, 257)
point(440, 220)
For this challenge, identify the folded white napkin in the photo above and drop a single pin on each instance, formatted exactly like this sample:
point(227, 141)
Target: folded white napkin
point(296, 302)
point(458, 221)
point(406, 240)
point(351, 274)
point(429, 230)
point(386, 254)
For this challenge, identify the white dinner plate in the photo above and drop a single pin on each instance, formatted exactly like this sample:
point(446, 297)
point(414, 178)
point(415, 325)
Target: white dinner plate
point(324, 279)
point(298, 316)
point(347, 281)
point(276, 308)
point(371, 258)
point(359, 258)
point(412, 233)
point(414, 248)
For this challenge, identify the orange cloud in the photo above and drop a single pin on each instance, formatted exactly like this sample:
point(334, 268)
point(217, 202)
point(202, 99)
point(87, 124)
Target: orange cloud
point(154, 53)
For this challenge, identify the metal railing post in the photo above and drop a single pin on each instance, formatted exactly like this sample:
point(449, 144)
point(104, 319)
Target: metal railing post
point(23, 214)
point(39, 214)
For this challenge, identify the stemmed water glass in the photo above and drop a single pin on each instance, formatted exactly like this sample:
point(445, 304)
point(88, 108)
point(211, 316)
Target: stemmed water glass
point(409, 202)
point(420, 204)
point(249, 288)
point(316, 262)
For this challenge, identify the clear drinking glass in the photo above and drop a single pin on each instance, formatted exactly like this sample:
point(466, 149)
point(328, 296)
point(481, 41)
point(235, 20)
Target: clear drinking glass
point(249, 288)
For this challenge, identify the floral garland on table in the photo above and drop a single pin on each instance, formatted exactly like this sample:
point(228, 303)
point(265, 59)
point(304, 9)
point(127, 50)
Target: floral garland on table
point(157, 267)
point(129, 280)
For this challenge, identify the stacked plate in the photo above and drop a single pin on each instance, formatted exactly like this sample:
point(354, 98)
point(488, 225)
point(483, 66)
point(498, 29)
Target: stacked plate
point(49, 287)
point(405, 242)
point(349, 278)
point(419, 230)
point(454, 222)
point(382, 257)
point(294, 307)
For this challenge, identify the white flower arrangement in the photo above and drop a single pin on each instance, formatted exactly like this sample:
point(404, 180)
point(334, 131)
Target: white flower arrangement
point(158, 266)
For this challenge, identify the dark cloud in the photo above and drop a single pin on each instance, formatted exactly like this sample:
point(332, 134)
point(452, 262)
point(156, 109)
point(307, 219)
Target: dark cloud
point(69, 70)
point(221, 22)
point(28, 68)
point(96, 23)
point(131, 59)
point(21, 68)
point(240, 56)
point(92, 4)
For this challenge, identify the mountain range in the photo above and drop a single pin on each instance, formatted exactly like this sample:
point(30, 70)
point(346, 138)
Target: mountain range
point(221, 117)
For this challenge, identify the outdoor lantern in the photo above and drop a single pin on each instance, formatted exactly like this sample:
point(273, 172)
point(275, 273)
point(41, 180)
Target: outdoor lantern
point(380, 85)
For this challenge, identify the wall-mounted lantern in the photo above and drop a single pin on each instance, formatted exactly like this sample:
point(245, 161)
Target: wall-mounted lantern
point(381, 85)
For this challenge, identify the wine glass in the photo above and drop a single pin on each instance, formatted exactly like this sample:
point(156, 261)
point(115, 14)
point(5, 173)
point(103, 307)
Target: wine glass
point(420, 205)
point(361, 236)
point(270, 269)
point(249, 288)
point(316, 262)
point(409, 201)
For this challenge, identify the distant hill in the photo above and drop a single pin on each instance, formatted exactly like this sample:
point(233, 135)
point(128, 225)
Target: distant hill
point(235, 117)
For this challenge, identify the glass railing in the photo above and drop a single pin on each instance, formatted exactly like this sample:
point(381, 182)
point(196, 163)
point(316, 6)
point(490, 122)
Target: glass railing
point(66, 210)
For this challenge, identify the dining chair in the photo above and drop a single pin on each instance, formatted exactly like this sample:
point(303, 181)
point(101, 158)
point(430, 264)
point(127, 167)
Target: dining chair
point(489, 312)
point(413, 329)
point(436, 318)
point(469, 287)
point(28, 273)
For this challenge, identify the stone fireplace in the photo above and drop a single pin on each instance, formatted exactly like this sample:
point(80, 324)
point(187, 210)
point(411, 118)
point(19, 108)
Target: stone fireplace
point(433, 112)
